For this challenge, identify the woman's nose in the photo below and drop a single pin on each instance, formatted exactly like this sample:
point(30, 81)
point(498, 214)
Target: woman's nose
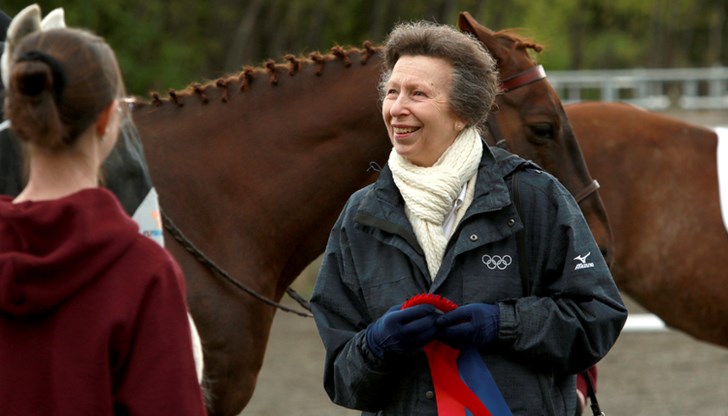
point(399, 106)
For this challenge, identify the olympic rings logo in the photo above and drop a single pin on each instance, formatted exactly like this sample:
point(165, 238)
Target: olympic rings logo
point(497, 262)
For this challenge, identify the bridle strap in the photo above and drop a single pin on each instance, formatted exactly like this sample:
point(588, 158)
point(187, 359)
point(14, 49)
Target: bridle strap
point(588, 190)
point(530, 75)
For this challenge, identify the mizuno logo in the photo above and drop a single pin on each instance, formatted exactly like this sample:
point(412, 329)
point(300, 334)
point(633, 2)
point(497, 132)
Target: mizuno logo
point(582, 262)
point(583, 258)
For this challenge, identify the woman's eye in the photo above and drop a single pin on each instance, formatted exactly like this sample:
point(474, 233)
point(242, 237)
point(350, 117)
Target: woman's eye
point(418, 94)
point(391, 91)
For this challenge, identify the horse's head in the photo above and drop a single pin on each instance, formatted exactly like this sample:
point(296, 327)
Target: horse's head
point(530, 121)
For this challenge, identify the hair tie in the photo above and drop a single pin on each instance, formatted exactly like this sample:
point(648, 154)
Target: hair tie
point(57, 71)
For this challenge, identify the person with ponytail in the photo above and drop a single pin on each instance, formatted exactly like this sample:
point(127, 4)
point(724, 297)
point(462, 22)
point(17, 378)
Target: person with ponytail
point(93, 315)
point(420, 300)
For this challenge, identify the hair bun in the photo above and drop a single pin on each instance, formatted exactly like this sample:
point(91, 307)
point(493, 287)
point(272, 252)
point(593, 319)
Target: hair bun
point(34, 82)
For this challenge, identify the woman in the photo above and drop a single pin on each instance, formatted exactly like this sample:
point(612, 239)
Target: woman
point(93, 318)
point(440, 220)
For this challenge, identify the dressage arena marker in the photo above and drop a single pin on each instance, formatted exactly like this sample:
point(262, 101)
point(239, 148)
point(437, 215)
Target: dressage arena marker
point(644, 322)
point(722, 156)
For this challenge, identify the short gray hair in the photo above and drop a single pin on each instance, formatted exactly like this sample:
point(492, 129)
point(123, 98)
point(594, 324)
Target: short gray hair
point(474, 77)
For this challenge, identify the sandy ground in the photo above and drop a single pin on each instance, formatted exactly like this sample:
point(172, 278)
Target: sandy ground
point(646, 373)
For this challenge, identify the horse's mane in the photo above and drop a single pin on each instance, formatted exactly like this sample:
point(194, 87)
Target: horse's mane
point(291, 64)
point(520, 42)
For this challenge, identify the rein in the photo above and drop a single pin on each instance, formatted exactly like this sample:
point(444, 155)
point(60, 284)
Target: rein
point(172, 228)
point(521, 79)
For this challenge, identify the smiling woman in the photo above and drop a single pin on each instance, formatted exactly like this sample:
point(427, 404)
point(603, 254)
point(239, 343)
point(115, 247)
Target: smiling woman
point(439, 207)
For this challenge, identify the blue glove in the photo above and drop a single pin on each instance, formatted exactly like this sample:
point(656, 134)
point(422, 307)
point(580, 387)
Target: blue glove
point(400, 331)
point(475, 324)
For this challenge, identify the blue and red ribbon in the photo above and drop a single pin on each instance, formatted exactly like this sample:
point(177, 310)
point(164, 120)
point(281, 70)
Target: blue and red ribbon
point(463, 384)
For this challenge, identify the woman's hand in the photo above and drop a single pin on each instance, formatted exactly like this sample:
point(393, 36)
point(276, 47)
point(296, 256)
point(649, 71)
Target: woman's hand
point(475, 324)
point(400, 331)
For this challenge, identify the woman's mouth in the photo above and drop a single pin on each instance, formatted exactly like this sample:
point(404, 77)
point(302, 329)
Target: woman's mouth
point(404, 131)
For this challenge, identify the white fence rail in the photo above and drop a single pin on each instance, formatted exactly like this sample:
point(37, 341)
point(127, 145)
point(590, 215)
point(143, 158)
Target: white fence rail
point(654, 89)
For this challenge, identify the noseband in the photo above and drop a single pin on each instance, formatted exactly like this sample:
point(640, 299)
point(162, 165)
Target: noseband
point(533, 74)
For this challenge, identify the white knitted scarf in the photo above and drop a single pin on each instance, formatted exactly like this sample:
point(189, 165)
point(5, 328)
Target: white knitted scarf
point(430, 192)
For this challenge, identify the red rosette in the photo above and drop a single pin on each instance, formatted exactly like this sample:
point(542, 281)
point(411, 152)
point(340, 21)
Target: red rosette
point(440, 302)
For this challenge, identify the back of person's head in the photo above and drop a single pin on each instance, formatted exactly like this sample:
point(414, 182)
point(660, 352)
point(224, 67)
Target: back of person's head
point(60, 81)
point(474, 78)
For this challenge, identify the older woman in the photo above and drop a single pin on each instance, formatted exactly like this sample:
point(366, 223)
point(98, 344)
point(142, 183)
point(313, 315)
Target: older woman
point(440, 221)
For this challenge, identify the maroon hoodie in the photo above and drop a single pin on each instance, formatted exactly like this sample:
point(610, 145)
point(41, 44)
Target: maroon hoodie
point(93, 319)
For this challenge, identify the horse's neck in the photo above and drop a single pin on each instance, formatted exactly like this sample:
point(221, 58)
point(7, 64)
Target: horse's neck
point(276, 162)
point(643, 159)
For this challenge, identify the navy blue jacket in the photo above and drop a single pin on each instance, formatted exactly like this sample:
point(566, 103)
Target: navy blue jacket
point(568, 322)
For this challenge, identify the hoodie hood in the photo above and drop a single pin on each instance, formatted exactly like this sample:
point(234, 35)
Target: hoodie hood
point(51, 250)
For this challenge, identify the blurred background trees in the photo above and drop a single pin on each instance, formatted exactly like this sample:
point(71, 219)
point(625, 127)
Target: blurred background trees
point(164, 44)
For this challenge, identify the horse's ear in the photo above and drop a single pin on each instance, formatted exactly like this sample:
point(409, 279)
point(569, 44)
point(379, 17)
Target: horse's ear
point(54, 20)
point(24, 23)
point(468, 24)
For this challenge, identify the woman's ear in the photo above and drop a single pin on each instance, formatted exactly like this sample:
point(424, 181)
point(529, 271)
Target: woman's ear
point(102, 122)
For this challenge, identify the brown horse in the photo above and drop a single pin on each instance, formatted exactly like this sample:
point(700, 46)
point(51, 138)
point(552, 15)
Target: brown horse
point(660, 188)
point(255, 169)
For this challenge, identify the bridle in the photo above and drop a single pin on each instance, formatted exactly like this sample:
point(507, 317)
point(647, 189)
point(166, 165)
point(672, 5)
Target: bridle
point(521, 79)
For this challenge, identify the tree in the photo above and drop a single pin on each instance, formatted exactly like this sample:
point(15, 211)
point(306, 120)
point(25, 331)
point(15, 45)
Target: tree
point(164, 44)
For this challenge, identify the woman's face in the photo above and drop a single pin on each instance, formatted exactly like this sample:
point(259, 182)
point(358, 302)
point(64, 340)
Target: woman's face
point(416, 110)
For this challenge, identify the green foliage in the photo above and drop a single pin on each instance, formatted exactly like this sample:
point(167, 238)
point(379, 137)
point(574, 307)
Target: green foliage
point(164, 44)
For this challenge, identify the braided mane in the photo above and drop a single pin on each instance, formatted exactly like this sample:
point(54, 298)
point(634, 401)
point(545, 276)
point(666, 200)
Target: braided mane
point(291, 64)
point(520, 43)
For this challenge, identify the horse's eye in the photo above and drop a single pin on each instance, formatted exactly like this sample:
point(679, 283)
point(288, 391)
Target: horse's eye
point(542, 130)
